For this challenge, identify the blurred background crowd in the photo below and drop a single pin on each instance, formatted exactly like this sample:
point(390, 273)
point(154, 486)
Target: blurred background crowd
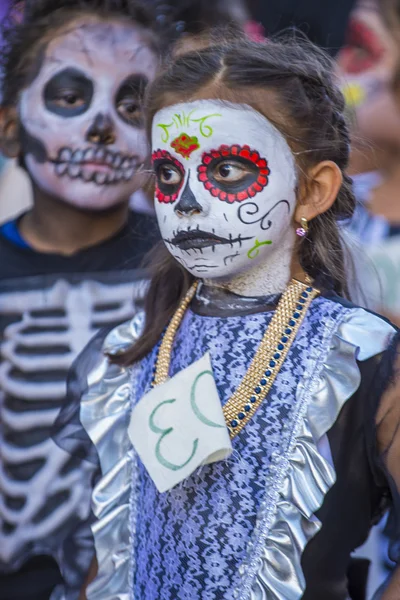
point(60, 286)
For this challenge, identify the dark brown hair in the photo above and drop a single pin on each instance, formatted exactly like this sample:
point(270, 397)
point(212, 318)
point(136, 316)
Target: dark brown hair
point(310, 111)
point(30, 25)
point(26, 32)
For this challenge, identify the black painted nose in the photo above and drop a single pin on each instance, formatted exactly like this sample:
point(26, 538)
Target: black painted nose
point(101, 131)
point(188, 204)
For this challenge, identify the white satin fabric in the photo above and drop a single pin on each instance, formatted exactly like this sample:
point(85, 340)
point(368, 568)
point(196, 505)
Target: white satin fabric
point(105, 413)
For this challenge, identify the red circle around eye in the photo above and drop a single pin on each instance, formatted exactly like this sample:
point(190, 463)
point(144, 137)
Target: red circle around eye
point(165, 155)
point(244, 152)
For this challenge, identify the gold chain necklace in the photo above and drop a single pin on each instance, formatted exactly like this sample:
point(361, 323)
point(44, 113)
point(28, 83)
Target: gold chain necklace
point(270, 355)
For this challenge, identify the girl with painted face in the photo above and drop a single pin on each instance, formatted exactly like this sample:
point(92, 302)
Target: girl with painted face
point(257, 420)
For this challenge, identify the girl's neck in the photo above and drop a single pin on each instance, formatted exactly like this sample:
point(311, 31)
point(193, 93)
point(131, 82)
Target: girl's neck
point(267, 277)
point(53, 226)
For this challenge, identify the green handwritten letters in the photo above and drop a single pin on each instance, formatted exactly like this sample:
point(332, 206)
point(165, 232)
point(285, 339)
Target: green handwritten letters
point(164, 432)
point(180, 121)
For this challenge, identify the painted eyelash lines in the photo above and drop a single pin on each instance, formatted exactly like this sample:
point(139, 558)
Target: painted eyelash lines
point(75, 165)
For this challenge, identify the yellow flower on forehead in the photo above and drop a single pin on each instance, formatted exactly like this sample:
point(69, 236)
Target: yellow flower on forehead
point(354, 94)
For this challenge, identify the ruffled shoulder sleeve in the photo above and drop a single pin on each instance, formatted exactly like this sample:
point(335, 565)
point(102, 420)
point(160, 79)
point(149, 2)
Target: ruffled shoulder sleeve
point(303, 471)
point(92, 426)
point(105, 409)
point(67, 431)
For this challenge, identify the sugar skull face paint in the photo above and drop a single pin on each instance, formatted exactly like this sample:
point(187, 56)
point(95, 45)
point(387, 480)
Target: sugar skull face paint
point(82, 129)
point(225, 188)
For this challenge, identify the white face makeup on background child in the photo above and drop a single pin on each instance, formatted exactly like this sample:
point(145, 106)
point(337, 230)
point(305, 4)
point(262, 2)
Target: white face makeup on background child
point(225, 194)
point(82, 129)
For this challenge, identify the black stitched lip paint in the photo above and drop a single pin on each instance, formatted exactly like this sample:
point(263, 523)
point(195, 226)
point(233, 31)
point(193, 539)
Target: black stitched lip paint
point(201, 239)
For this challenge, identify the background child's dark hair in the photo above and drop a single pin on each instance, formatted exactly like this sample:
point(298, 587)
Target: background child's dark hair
point(27, 31)
point(305, 105)
point(32, 24)
point(197, 16)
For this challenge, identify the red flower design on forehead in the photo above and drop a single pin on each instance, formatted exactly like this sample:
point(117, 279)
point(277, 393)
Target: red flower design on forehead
point(254, 180)
point(165, 192)
point(185, 145)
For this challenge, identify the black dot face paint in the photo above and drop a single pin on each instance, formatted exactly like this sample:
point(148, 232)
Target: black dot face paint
point(69, 93)
point(129, 100)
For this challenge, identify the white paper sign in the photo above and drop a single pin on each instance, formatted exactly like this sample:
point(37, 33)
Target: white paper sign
point(179, 425)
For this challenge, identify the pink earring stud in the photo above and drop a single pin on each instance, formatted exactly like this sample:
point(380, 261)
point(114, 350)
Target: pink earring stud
point(303, 229)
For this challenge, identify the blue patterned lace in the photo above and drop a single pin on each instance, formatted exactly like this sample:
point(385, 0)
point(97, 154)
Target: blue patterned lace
point(191, 540)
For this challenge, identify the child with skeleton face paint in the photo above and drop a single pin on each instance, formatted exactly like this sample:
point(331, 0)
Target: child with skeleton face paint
point(76, 121)
point(255, 446)
point(73, 85)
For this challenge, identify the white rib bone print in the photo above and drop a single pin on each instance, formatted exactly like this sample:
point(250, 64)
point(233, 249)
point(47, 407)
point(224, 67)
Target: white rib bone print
point(48, 328)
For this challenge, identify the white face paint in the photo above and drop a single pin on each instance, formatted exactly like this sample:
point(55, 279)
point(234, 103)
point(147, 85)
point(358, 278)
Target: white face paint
point(83, 137)
point(225, 194)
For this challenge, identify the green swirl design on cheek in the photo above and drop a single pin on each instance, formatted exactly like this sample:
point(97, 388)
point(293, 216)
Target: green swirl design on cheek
point(255, 250)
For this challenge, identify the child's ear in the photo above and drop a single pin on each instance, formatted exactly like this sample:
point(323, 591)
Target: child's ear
point(324, 181)
point(9, 132)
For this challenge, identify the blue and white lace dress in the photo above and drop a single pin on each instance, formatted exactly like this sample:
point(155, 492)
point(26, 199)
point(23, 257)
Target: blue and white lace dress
point(260, 524)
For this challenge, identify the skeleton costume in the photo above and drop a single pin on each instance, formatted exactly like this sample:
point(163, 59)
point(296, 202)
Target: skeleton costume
point(277, 515)
point(50, 307)
point(83, 141)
